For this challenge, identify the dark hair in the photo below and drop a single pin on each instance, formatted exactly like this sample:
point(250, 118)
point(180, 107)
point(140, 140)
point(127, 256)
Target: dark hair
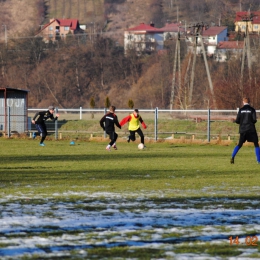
point(112, 108)
point(136, 110)
point(246, 100)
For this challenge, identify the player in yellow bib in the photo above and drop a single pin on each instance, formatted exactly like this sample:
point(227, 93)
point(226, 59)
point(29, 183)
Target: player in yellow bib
point(133, 125)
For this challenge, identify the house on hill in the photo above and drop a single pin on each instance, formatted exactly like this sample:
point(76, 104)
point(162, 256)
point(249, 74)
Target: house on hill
point(143, 38)
point(228, 49)
point(211, 37)
point(250, 19)
point(59, 28)
point(171, 30)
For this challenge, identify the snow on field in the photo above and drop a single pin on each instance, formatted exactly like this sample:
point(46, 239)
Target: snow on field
point(51, 227)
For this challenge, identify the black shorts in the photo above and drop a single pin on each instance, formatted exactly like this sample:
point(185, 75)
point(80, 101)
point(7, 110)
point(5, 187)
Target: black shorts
point(249, 137)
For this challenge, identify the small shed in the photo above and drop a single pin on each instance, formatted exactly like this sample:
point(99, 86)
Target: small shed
point(13, 110)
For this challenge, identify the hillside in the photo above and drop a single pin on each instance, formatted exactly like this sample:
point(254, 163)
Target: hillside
point(114, 16)
point(12, 14)
point(86, 11)
point(70, 73)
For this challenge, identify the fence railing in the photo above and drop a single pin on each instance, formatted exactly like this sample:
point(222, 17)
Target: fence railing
point(156, 116)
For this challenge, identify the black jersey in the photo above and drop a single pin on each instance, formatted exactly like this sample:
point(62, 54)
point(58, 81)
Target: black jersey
point(110, 120)
point(42, 116)
point(246, 118)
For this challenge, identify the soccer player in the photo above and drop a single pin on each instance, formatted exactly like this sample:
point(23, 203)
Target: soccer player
point(246, 118)
point(108, 122)
point(133, 125)
point(39, 121)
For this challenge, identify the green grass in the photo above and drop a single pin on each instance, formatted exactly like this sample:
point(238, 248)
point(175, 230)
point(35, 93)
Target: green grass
point(163, 174)
point(176, 170)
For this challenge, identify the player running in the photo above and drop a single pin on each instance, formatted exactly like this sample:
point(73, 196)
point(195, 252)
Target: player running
point(39, 121)
point(133, 125)
point(108, 122)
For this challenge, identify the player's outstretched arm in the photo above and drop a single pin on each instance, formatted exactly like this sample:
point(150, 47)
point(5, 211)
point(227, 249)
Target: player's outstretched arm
point(125, 120)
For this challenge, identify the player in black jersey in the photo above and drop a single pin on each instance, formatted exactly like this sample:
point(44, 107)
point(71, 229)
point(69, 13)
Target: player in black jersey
point(108, 122)
point(39, 121)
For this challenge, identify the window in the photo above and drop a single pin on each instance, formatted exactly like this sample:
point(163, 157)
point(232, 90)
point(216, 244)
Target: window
point(66, 28)
point(255, 27)
point(50, 28)
point(50, 35)
point(150, 46)
point(150, 38)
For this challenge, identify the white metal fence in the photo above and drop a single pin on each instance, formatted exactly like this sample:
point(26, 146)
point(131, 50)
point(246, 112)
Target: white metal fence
point(163, 123)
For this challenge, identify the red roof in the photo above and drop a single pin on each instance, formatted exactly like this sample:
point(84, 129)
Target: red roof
point(213, 31)
point(240, 16)
point(231, 45)
point(72, 23)
point(144, 27)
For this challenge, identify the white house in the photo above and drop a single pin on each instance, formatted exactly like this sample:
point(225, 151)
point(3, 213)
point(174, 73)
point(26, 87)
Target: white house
point(228, 49)
point(147, 38)
point(171, 30)
point(143, 38)
point(211, 37)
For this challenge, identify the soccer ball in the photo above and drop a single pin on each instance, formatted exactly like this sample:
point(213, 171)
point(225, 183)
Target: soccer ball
point(72, 143)
point(140, 146)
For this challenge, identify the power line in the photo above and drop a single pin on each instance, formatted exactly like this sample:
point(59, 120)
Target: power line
point(67, 35)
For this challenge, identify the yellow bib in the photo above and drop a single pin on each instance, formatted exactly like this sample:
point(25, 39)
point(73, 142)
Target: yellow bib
point(134, 123)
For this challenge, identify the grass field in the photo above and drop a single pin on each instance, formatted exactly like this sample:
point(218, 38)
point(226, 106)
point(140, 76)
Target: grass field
point(169, 201)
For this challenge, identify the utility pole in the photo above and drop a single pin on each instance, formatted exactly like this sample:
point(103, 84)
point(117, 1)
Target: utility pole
point(219, 21)
point(176, 59)
point(246, 48)
point(4, 25)
point(190, 70)
point(197, 32)
point(208, 73)
point(177, 13)
point(193, 68)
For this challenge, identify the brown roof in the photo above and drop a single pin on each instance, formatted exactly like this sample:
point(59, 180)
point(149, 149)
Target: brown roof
point(173, 27)
point(231, 45)
point(16, 89)
point(214, 30)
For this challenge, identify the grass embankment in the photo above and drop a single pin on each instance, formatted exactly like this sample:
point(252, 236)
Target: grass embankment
point(186, 129)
